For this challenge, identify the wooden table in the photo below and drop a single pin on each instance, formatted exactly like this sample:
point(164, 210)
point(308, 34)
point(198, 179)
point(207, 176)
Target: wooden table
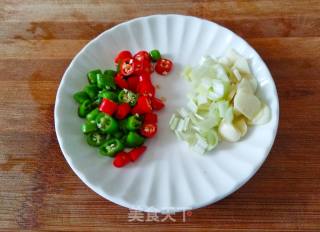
point(38, 190)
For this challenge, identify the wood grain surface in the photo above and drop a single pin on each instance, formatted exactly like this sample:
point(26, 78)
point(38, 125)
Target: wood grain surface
point(38, 190)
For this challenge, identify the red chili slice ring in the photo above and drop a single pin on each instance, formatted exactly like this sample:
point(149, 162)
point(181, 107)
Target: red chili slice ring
point(142, 56)
point(148, 130)
point(127, 66)
point(125, 54)
point(163, 66)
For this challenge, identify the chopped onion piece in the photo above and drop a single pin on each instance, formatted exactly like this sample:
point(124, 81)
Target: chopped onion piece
point(237, 74)
point(186, 124)
point(262, 117)
point(228, 116)
point(218, 90)
point(229, 132)
point(174, 123)
point(242, 65)
point(254, 83)
point(192, 106)
point(241, 125)
point(173, 117)
point(247, 104)
point(202, 99)
point(180, 125)
point(222, 102)
point(212, 139)
point(222, 108)
point(246, 86)
point(183, 112)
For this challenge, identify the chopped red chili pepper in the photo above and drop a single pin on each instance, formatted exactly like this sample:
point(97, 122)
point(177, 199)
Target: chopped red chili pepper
point(142, 56)
point(138, 67)
point(122, 55)
point(107, 106)
point(127, 66)
point(121, 159)
point(133, 82)
point(147, 67)
point(120, 81)
point(145, 77)
point(163, 66)
point(157, 104)
point(135, 153)
point(150, 118)
point(148, 130)
point(143, 106)
point(122, 110)
point(142, 66)
point(146, 88)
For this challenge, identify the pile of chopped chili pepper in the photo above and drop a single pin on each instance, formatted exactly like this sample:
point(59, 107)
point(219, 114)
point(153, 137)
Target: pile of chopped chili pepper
point(119, 105)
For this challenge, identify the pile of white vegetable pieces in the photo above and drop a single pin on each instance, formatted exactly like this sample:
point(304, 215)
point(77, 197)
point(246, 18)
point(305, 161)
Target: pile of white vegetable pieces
point(221, 104)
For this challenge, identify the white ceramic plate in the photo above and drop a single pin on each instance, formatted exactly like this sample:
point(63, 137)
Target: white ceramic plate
point(168, 177)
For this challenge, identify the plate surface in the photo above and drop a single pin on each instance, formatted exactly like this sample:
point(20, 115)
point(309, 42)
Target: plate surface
point(169, 177)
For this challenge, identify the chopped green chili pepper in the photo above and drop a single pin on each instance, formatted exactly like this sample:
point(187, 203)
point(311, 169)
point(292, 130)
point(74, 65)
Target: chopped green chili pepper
point(93, 115)
point(80, 96)
point(118, 135)
point(97, 102)
point(95, 139)
point(127, 96)
point(88, 127)
point(92, 91)
point(109, 95)
point(92, 76)
point(134, 139)
point(106, 123)
point(123, 139)
point(132, 123)
point(111, 147)
point(110, 72)
point(105, 81)
point(155, 55)
point(101, 81)
point(110, 82)
point(84, 108)
point(123, 125)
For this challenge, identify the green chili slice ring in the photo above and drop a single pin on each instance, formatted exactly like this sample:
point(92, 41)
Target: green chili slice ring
point(127, 96)
point(84, 108)
point(133, 123)
point(96, 139)
point(111, 147)
point(80, 96)
point(106, 123)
